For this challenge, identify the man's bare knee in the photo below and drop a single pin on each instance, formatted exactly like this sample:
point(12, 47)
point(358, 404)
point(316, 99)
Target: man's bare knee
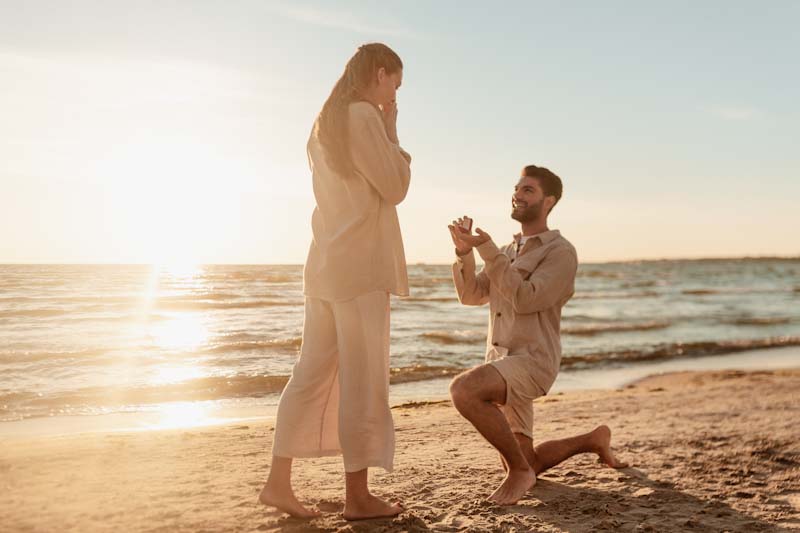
point(483, 383)
point(459, 391)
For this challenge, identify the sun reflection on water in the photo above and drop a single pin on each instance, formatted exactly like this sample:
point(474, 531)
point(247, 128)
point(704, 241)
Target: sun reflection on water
point(184, 332)
point(175, 374)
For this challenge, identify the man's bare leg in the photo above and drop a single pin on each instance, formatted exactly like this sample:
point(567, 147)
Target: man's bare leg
point(360, 504)
point(475, 394)
point(550, 453)
point(278, 493)
point(505, 465)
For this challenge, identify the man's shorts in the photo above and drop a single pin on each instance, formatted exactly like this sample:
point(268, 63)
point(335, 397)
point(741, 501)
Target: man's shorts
point(521, 389)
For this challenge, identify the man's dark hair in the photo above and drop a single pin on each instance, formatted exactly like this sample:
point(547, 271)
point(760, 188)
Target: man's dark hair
point(550, 183)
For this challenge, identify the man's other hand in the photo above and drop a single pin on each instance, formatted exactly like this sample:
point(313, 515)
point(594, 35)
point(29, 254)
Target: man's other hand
point(464, 240)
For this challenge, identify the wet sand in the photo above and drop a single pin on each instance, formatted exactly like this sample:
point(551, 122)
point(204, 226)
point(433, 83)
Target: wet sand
point(709, 451)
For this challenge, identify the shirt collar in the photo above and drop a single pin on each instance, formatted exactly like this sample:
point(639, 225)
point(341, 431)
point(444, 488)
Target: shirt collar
point(545, 236)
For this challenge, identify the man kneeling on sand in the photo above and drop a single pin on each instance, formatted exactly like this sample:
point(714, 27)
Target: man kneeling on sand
point(526, 283)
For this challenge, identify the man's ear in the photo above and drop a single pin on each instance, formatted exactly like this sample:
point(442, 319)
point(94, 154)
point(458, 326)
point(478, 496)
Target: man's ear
point(549, 202)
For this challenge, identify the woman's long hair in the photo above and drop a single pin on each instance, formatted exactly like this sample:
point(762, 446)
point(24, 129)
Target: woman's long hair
point(333, 119)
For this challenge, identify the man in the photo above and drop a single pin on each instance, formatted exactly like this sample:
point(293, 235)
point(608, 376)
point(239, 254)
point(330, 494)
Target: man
point(526, 283)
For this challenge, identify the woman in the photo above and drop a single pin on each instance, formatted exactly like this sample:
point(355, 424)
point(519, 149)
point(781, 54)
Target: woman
point(337, 400)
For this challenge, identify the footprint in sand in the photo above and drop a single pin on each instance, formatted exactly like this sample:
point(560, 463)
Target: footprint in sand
point(328, 506)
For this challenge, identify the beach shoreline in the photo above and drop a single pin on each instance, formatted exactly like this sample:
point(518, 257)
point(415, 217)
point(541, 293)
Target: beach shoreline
point(714, 450)
point(176, 415)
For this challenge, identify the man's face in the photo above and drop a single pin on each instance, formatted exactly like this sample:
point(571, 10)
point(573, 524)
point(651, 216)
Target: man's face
point(527, 202)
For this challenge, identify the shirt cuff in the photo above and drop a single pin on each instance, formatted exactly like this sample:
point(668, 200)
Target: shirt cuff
point(466, 260)
point(488, 250)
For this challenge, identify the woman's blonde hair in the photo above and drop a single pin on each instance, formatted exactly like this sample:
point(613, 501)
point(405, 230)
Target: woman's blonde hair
point(357, 77)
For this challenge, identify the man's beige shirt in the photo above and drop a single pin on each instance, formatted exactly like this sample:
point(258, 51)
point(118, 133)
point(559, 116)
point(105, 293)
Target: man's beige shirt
point(357, 247)
point(525, 293)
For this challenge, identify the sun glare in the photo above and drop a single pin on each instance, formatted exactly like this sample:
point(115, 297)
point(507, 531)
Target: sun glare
point(186, 332)
point(182, 414)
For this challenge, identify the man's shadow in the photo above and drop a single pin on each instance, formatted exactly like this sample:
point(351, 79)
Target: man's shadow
point(642, 504)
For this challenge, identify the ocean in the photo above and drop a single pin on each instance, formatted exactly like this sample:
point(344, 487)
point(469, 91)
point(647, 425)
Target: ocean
point(81, 340)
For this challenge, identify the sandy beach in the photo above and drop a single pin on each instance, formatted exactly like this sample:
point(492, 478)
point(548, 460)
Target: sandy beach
point(709, 451)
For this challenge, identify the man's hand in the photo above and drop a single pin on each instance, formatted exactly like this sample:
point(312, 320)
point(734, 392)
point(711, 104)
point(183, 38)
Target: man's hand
point(464, 240)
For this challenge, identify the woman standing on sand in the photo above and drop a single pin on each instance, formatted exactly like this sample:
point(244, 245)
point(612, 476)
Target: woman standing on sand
point(337, 400)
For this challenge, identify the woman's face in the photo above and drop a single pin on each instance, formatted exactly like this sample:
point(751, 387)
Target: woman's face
point(387, 85)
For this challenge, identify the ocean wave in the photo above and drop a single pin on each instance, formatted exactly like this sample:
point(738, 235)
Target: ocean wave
point(640, 284)
point(700, 292)
point(202, 296)
point(31, 356)
point(756, 321)
point(203, 305)
point(704, 291)
point(596, 329)
point(82, 315)
point(292, 343)
point(23, 404)
point(408, 374)
point(455, 337)
point(265, 277)
point(592, 273)
point(676, 350)
point(16, 405)
point(433, 299)
point(33, 313)
point(614, 295)
point(429, 282)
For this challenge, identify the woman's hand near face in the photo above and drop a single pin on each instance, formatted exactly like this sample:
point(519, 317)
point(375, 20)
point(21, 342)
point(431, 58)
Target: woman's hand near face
point(390, 120)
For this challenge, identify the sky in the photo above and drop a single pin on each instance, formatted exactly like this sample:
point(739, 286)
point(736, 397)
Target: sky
point(175, 131)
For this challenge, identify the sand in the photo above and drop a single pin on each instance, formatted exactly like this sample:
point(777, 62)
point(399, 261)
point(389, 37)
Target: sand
point(712, 451)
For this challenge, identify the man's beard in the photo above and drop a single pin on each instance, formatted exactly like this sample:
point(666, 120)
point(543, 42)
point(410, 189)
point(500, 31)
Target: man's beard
point(527, 214)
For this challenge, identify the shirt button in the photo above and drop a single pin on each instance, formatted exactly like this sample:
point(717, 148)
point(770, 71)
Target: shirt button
point(499, 314)
point(495, 344)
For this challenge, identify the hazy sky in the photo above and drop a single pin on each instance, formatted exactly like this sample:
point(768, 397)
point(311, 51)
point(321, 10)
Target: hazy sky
point(143, 131)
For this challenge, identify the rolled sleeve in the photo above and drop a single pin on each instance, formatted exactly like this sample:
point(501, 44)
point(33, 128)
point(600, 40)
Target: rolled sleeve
point(472, 289)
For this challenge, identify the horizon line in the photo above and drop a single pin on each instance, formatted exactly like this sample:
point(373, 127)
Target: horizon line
point(416, 263)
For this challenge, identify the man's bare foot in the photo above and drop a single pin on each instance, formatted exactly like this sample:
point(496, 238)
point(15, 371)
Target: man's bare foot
point(284, 500)
point(514, 486)
point(370, 507)
point(601, 437)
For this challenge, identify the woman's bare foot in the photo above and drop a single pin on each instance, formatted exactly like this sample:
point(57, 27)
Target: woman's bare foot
point(514, 486)
point(370, 507)
point(601, 437)
point(283, 499)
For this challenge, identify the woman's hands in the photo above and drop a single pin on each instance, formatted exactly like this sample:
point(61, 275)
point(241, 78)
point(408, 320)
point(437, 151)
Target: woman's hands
point(463, 240)
point(389, 113)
